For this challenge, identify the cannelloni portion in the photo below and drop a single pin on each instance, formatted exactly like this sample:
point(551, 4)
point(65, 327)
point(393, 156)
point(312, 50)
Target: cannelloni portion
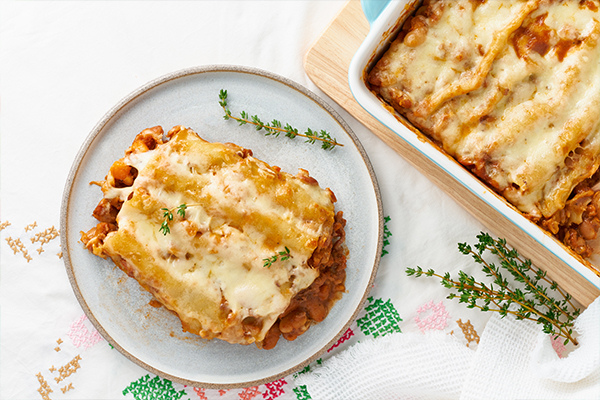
point(510, 89)
point(222, 239)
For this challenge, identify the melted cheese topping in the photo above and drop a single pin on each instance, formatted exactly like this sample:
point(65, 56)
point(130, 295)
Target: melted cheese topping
point(511, 89)
point(240, 211)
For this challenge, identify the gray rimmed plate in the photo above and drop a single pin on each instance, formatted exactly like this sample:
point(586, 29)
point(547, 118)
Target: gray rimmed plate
point(120, 309)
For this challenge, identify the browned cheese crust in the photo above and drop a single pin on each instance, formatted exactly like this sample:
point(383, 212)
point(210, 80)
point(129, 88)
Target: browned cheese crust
point(511, 90)
point(207, 263)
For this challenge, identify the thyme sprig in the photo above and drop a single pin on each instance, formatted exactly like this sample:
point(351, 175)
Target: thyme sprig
point(168, 217)
point(532, 301)
point(280, 255)
point(275, 127)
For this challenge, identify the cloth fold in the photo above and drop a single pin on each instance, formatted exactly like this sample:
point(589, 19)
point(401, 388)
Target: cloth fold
point(582, 362)
point(514, 360)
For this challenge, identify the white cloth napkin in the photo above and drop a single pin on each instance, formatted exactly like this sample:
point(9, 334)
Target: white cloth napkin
point(514, 360)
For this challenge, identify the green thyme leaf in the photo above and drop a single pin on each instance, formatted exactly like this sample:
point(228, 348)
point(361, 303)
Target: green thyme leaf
point(168, 216)
point(274, 128)
point(181, 210)
point(280, 255)
point(531, 300)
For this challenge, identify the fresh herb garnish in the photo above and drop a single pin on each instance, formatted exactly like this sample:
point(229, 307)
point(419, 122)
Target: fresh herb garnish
point(280, 255)
point(168, 217)
point(530, 302)
point(275, 127)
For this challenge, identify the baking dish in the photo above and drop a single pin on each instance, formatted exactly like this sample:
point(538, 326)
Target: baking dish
point(386, 19)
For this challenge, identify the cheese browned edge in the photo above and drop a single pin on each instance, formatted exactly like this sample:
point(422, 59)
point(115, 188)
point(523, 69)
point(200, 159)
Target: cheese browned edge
point(511, 90)
point(209, 269)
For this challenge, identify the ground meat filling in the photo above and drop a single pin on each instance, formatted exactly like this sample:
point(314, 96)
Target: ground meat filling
point(308, 307)
point(578, 222)
point(312, 305)
point(121, 176)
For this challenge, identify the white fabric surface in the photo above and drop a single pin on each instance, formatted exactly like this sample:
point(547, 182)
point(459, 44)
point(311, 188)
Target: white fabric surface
point(411, 365)
point(63, 65)
point(514, 360)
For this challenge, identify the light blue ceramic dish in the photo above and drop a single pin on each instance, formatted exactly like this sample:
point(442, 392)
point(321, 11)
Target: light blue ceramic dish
point(120, 309)
point(385, 18)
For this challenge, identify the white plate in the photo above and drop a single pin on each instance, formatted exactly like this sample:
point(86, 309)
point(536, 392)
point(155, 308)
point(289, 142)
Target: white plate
point(118, 307)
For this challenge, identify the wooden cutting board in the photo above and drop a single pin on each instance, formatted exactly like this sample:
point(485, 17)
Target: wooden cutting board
point(326, 63)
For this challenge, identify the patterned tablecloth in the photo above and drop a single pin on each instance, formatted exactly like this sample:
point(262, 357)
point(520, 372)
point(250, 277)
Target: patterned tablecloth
point(63, 65)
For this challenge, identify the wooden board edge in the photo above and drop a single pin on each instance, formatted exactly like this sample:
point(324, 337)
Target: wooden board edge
point(332, 79)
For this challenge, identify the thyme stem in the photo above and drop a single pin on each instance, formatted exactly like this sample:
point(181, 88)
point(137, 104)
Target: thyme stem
point(275, 127)
point(458, 285)
point(168, 216)
point(525, 278)
point(280, 255)
point(533, 300)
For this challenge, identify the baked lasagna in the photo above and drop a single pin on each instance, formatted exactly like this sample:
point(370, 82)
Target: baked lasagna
point(511, 90)
point(238, 249)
